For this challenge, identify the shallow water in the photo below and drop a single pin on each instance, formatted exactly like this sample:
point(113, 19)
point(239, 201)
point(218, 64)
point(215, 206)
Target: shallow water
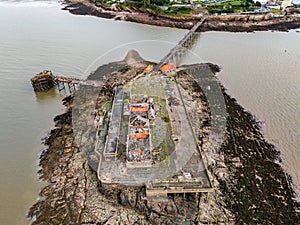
point(37, 35)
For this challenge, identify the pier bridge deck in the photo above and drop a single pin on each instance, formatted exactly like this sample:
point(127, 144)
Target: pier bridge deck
point(177, 52)
point(46, 80)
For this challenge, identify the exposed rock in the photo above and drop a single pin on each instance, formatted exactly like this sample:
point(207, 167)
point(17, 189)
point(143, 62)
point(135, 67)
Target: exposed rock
point(250, 187)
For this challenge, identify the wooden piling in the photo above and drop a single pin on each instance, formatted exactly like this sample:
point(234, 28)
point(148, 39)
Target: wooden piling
point(72, 88)
point(61, 86)
point(43, 81)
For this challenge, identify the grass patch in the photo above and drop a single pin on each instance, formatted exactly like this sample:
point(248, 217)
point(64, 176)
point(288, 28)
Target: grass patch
point(165, 151)
point(232, 7)
point(166, 119)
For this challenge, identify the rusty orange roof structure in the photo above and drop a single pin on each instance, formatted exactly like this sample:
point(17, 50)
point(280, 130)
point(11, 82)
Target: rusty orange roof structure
point(138, 109)
point(138, 152)
point(167, 67)
point(139, 135)
point(148, 69)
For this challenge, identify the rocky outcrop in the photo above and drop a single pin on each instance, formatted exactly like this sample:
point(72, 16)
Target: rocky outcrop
point(72, 195)
point(258, 190)
point(248, 178)
point(250, 185)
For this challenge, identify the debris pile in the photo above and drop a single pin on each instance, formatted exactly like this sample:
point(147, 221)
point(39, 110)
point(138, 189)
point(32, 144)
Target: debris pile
point(139, 137)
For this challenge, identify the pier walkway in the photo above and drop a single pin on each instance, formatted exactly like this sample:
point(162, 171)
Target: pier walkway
point(177, 52)
point(46, 80)
point(61, 79)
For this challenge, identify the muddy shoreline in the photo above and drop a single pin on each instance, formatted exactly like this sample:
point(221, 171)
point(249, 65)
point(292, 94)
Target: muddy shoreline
point(230, 23)
point(250, 185)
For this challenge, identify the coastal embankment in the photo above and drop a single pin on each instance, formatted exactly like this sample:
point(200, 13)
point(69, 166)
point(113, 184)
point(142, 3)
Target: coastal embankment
point(231, 23)
point(250, 185)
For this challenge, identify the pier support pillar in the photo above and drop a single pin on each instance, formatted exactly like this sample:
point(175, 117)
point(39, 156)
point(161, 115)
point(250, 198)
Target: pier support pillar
point(61, 86)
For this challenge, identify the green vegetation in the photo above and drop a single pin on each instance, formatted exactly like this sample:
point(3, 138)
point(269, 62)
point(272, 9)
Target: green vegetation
point(151, 4)
point(277, 11)
point(177, 11)
point(102, 3)
point(233, 6)
point(166, 119)
point(165, 151)
point(107, 106)
point(186, 9)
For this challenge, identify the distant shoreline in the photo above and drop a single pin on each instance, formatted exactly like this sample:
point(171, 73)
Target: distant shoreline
point(230, 23)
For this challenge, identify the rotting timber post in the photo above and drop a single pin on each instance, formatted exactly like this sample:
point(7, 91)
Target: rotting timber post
point(43, 81)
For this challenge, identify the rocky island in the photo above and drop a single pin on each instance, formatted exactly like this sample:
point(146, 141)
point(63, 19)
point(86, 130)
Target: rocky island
point(151, 143)
point(249, 184)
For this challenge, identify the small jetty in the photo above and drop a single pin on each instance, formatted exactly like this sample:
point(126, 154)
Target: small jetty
point(46, 80)
point(43, 81)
